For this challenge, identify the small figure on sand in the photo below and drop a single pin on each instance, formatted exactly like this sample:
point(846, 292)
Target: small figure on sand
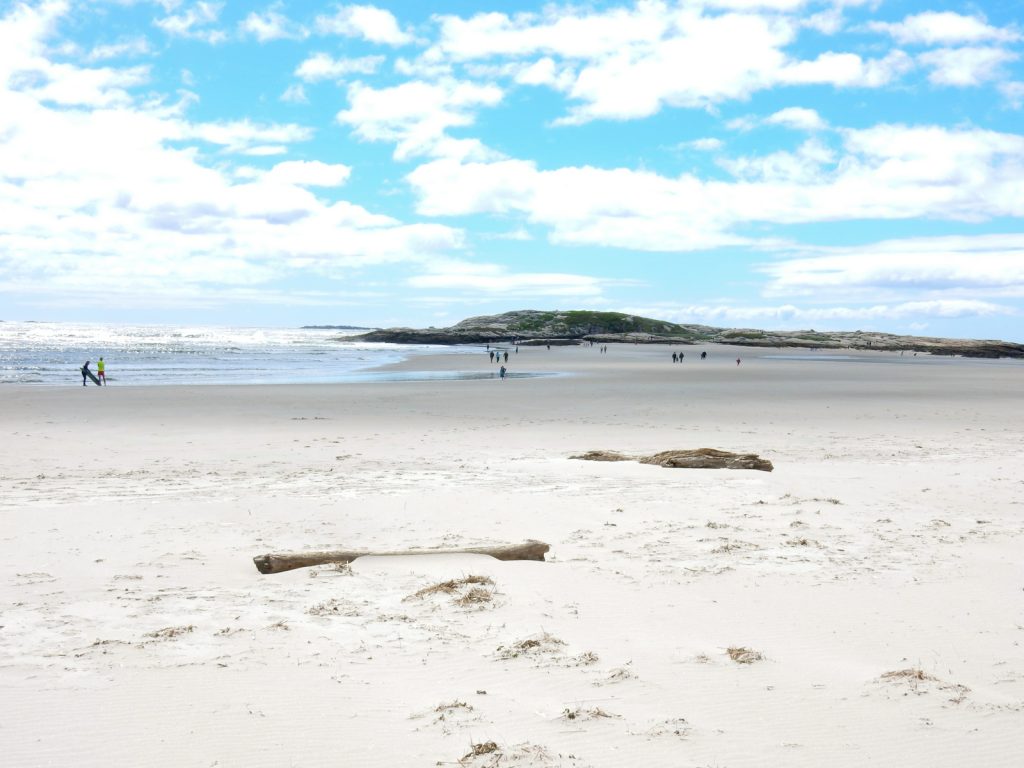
point(681, 356)
point(85, 371)
point(674, 357)
point(491, 355)
point(501, 372)
point(737, 361)
point(703, 355)
point(101, 371)
point(506, 355)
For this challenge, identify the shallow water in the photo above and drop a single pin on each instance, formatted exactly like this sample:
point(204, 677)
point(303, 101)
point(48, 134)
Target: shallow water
point(53, 354)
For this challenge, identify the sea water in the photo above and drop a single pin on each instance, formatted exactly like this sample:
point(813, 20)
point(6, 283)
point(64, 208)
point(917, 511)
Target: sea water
point(53, 354)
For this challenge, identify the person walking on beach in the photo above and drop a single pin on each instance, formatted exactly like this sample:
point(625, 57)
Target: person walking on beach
point(101, 371)
point(491, 355)
point(703, 355)
point(506, 355)
point(501, 372)
point(675, 357)
point(85, 371)
point(737, 362)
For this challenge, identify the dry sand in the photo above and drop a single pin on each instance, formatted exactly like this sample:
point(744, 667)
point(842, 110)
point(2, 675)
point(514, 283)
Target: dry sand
point(861, 605)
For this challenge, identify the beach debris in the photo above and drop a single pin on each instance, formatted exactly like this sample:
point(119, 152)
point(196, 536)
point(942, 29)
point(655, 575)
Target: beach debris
point(743, 655)
point(603, 456)
point(467, 591)
point(278, 563)
point(488, 754)
point(708, 458)
point(920, 682)
point(531, 646)
point(579, 713)
point(673, 726)
point(698, 458)
point(169, 632)
point(484, 748)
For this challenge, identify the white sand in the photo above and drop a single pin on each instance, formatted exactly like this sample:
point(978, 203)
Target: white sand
point(136, 630)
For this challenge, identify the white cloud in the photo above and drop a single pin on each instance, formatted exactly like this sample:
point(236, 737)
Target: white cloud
point(630, 62)
point(846, 70)
point(884, 172)
point(244, 135)
point(417, 115)
point(295, 94)
point(708, 144)
point(793, 317)
point(965, 66)
point(272, 25)
point(799, 118)
point(309, 173)
point(366, 21)
point(937, 266)
point(114, 195)
point(944, 28)
point(195, 23)
point(321, 66)
point(136, 46)
point(805, 166)
point(497, 280)
point(1013, 92)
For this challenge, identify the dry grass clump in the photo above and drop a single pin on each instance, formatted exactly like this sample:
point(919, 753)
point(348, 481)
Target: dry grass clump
point(168, 632)
point(578, 713)
point(543, 643)
point(602, 456)
point(801, 542)
point(475, 750)
point(743, 655)
point(587, 658)
point(908, 674)
point(731, 546)
point(676, 726)
point(456, 704)
point(451, 586)
point(476, 596)
point(490, 755)
point(914, 676)
point(332, 607)
point(619, 674)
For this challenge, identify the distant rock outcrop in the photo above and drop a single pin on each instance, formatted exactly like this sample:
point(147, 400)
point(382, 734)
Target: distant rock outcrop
point(534, 327)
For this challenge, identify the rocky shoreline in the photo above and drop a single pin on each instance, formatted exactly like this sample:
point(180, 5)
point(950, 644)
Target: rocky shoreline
point(533, 327)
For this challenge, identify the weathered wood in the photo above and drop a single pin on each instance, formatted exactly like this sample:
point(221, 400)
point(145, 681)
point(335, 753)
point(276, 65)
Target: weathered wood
point(278, 563)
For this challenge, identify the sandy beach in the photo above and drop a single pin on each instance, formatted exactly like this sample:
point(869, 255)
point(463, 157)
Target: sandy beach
point(871, 587)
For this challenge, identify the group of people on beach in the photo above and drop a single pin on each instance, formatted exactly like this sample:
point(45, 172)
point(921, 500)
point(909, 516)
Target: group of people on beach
point(101, 372)
point(678, 357)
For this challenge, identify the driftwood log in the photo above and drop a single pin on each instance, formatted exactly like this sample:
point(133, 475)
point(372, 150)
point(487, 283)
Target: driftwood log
point(278, 563)
point(700, 458)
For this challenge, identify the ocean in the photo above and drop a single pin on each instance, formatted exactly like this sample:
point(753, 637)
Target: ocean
point(52, 354)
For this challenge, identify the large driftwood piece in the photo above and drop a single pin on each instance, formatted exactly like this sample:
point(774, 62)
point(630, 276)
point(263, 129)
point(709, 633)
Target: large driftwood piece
point(271, 563)
point(700, 458)
point(708, 458)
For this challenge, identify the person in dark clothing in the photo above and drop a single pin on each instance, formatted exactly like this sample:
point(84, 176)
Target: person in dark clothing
point(85, 371)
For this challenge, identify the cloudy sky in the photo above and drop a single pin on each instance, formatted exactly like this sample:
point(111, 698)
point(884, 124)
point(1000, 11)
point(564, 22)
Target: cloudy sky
point(769, 163)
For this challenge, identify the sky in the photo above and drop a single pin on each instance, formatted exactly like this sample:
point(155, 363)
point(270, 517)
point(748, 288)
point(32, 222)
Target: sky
point(779, 164)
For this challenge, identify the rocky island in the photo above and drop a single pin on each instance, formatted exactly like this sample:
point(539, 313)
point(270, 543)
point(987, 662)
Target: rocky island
point(532, 327)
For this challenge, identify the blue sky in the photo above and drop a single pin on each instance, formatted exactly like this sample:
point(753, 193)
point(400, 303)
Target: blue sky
point(828, 164)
